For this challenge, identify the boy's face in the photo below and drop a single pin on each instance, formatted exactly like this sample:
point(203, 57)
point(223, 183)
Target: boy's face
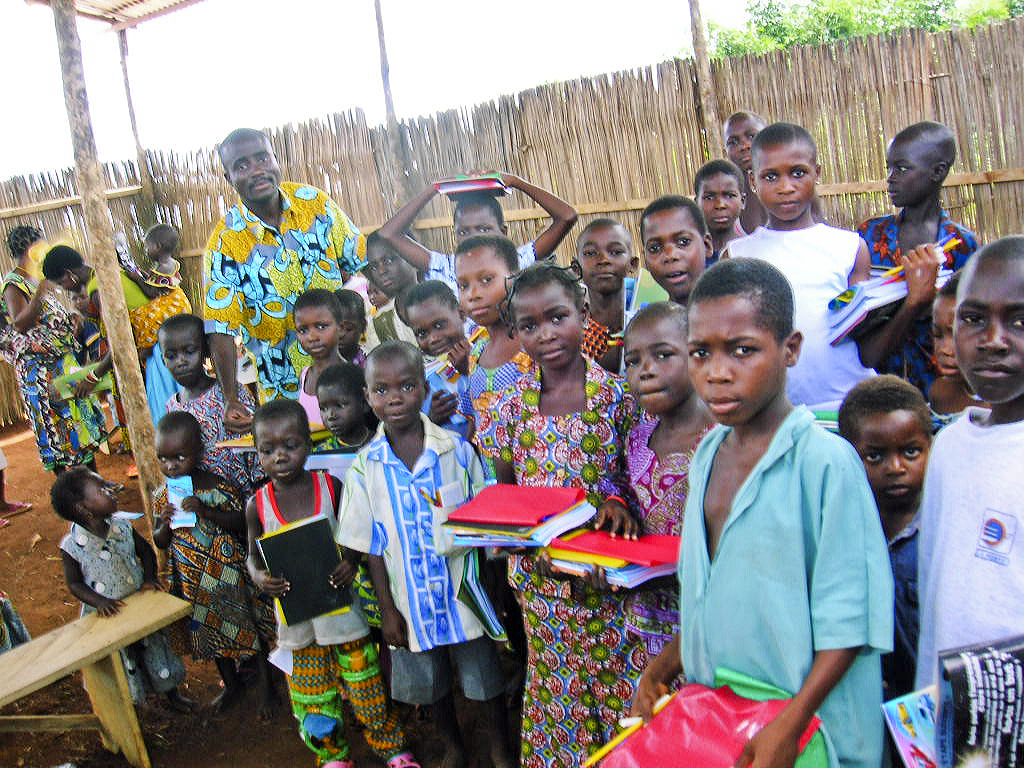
point(989, 334)
point(282, 448)
point(548, 325)
point(437, 326)
point(177, 451)
point(656, 364)
point(943, 312)
point(317, 331)
point(389, 272)
point(675, 251)
point(894, 449)
point(250, 166)
point(737, 365)
point(376, 296)
point(914, 175)
point(480, 275)
point(183, 352)
point(739, 138)
point(721, 200)
point(343, 413)
point(395, 389)
point(350, 330)
point(98, 500)
point(783, 180)
point(605, 257)
point(476, 220)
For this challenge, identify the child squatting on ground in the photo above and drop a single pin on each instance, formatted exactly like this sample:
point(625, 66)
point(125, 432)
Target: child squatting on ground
point(800, 594)
point(330, 652)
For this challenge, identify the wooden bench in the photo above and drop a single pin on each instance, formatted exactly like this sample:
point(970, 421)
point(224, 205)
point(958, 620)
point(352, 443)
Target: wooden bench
point(90, 644)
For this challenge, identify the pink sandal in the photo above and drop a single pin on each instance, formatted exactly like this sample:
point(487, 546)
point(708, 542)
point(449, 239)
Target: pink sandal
point(339, 764)
point(404, 760)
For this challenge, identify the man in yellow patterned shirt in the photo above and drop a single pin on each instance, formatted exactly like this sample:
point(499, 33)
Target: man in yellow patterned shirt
point(278, 240)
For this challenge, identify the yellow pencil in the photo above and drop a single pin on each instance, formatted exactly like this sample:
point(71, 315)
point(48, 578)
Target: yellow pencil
point(603, 752)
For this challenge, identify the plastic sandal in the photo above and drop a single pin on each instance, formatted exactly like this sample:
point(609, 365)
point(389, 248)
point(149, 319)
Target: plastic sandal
point(404, 760)
point(339, 764)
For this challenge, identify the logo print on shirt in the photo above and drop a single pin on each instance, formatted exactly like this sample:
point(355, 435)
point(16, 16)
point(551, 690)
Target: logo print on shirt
point(995, 541)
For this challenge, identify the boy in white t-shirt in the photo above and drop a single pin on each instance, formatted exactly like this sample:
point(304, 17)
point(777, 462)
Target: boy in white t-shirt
point(819, 261)
point(970, 564)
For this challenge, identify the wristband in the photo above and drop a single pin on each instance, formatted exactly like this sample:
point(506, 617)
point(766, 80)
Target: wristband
point(619, 499)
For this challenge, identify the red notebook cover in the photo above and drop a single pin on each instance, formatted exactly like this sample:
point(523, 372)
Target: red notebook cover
point(646, 551)
point(517, 504)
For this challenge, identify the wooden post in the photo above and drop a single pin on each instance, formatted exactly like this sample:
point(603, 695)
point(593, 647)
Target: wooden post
point(147, 207)
point(708, 100)
point(398, 153)
point(102, 255)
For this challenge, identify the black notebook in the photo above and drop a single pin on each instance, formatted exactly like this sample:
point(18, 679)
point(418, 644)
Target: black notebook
point(305, 554)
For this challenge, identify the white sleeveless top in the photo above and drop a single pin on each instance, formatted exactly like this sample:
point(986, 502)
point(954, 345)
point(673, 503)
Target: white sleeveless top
point(817, 261)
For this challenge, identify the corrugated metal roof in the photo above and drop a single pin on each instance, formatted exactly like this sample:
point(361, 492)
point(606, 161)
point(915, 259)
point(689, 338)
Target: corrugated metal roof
point(126, 13)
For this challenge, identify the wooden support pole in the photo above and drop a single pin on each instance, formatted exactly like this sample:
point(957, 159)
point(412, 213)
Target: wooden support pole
point(398, 153)
point(708, 98)
point(146, 207)
point(102, 256)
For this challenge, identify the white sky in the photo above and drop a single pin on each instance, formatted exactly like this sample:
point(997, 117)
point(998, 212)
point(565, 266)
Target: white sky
point(202, 71)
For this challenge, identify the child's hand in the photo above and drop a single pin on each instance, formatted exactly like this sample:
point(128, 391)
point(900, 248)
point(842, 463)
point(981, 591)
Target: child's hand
point(597, 580)
point(442, 407)
point(458, 355)
point(237, 418)
point(106, 607)
point(342, 576)
point(392, 625)
point(648, 690)
point(921, 268)
point(614, 516)
point(195, 506)
point(270, 585)
point(151, 586)
point(774, 746)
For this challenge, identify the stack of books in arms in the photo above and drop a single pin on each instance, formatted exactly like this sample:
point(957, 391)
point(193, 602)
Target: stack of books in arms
point(626, 562)
point(518, 516)
point(865, 306)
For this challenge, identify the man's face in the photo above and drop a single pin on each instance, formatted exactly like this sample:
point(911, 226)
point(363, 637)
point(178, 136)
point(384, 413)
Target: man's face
point(250, 166)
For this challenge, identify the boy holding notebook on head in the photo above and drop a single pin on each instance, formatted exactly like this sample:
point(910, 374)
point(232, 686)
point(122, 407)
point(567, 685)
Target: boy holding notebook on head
point(918, 159)
point(800, 595)
point(397, 493)
point(477, 213)
point(970, 566)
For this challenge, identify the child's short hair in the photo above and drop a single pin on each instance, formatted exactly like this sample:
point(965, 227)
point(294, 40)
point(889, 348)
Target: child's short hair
point(937, 132)
point(20, 238)
point(500, 244)
point(184, 322)
point(1005, 249)
point(660, 310)
point(779, 134)
point(319, 298)
point(352, 306)
point(165, 236)
point(348, 377)
point(481, 199)
point(396, 350)
point(601, 223)
point(759, 282)
point(715, 168)
point(67, 489)
point(281, 409)
point(735, 117)
point(428, 290)
point(547, 273)
point(180, 421)
point(61, 259)
point(878, 395)
point(670, 202)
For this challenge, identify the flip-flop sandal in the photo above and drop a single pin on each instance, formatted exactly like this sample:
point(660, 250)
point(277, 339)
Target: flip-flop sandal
point(17, 507)
point(132, 471)
point(4, 522)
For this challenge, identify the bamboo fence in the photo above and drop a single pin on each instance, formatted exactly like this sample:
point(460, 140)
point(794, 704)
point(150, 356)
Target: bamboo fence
point(611, 143)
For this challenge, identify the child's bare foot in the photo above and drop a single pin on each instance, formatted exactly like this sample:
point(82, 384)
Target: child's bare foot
point(179, 703)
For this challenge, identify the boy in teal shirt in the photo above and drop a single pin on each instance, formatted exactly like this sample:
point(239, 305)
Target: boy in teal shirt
point(783, 569)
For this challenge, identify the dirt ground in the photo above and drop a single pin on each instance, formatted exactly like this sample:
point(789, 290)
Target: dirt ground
point(30, 573)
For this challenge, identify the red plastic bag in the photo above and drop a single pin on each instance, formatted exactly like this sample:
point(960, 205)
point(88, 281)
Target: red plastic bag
point(700, 727)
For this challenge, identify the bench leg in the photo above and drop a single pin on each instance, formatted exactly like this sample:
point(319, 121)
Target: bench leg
point(107, 687)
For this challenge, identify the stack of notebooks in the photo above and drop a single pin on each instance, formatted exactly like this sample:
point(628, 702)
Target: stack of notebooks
point(246, 444)
point(862, 308)
point(456, 185)
point(518, 516)
point(626, 562)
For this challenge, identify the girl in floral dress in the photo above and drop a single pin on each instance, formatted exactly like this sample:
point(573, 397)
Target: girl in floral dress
point(563, 423)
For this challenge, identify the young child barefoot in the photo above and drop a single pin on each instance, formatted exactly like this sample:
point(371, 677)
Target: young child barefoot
point(106, 560)
point(331, 653)
point(207, 563)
